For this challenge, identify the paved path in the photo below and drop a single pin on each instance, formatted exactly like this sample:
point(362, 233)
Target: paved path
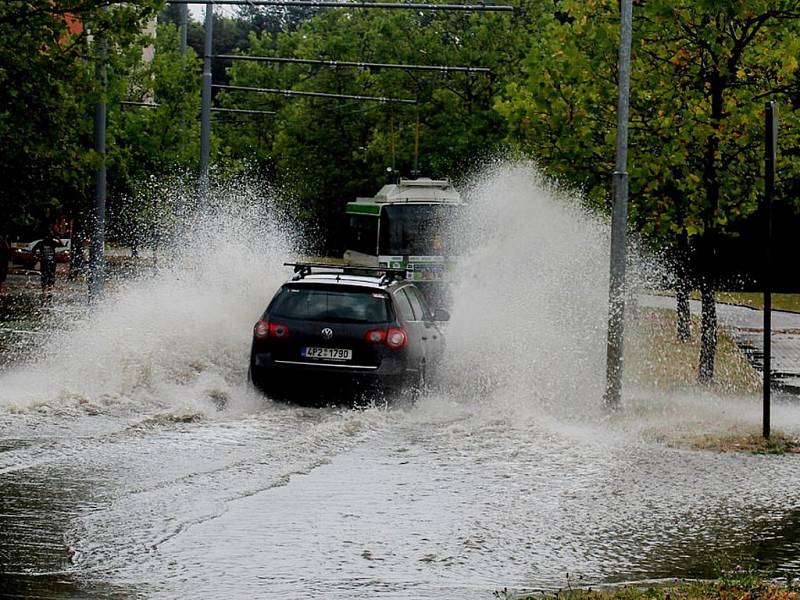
point(746, 325)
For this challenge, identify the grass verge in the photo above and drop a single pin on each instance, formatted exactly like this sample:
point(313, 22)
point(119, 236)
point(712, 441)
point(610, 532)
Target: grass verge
point(659, 364)
point(742, 441)
point(737, 586)
point(659, 361)
point(787, 302)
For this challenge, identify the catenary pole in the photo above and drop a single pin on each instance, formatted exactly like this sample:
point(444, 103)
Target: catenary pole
point(619, 218)
point(184, 20)
point(205, 110)
point(770, 152)
point(97, 242)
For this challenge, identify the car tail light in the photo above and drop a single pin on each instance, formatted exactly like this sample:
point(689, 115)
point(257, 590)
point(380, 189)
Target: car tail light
point(261, 330)
point(278, 330)
point(396, 337)
point(266, 329)
point(376, 336)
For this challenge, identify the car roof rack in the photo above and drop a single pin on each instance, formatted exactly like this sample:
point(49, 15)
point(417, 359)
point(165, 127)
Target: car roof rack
point(302, 269)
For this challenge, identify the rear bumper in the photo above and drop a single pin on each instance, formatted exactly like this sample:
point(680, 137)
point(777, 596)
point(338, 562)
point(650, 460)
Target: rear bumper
point(264, 362)
point(299, 378)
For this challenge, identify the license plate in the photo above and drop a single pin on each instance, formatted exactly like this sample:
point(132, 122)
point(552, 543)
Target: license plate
point(327, 353)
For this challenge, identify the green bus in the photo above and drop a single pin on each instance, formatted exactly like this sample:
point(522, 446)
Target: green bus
point(411, 225)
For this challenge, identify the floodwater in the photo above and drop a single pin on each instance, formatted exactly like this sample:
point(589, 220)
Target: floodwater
point(135, 462)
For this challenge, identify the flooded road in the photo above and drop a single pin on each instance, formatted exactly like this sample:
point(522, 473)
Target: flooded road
point(442, 499)
point(136, 463)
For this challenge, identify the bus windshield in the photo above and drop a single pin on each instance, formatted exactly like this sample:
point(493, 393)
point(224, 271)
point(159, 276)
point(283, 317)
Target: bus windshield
point(420, 229)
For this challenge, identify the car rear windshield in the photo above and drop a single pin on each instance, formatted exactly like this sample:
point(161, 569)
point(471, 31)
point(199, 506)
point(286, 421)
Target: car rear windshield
point(333, 305)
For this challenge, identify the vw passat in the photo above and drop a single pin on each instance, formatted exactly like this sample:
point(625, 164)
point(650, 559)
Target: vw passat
point(335, 333)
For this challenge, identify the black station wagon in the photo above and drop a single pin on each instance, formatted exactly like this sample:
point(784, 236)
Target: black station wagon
point(332, 333)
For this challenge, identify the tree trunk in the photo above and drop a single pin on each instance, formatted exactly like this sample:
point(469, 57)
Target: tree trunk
point(77, 261)
point(708, 337)
point(682, 289)
point(684, 330)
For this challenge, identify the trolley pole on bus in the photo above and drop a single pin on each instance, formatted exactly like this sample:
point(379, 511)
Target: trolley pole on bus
point(619, 219)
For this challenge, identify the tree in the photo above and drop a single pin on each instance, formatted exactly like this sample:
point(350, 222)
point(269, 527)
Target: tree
point(327, 152)
point(46, 93)
point(150, 143)
point(699, 76)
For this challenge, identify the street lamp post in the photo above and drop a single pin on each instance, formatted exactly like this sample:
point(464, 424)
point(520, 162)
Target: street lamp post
point(97, 241)
point(619, 219)
point(205, 110)
point(770, 152)
point(184, 28)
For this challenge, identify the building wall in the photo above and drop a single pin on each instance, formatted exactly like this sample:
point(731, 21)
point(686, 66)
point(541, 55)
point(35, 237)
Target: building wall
point(74, 26)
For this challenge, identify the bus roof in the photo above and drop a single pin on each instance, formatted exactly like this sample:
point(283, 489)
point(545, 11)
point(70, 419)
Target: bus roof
point(423, 190)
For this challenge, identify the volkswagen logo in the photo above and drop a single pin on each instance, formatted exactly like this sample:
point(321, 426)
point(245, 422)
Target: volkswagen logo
point(326, 333)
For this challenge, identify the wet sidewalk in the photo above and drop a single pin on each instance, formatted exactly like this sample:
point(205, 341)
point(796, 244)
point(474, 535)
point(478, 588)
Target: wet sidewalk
point(746, 326)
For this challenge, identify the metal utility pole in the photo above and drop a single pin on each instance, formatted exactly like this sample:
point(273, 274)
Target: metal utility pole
point(184, 27)
point(770, 152)
point(97, 242)
point(205, 110)
point(619, 219)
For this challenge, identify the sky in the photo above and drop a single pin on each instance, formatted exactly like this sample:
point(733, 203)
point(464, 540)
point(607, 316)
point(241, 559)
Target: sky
point(198, 11)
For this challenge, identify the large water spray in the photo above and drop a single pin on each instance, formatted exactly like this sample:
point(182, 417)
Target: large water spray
point(527, 334)
point(530, 310)
point(176, 338)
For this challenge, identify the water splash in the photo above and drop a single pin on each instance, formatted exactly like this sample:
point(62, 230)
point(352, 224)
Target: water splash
point(494, 477)
point(175, 339)
point(531, 300)
point(529, 320)
point(527, 335)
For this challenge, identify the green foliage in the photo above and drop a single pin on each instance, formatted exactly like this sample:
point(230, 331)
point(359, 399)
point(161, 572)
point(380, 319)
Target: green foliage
point(36, 169)
point(150, 144)
point(328, 151)
point(700, 75)
point(47, 89)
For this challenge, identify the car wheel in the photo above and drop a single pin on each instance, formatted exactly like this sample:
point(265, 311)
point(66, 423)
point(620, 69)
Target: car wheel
point(254, 380)
point(420, 385)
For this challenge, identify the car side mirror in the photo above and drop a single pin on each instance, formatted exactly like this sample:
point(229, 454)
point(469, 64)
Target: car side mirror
point(441, 314)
